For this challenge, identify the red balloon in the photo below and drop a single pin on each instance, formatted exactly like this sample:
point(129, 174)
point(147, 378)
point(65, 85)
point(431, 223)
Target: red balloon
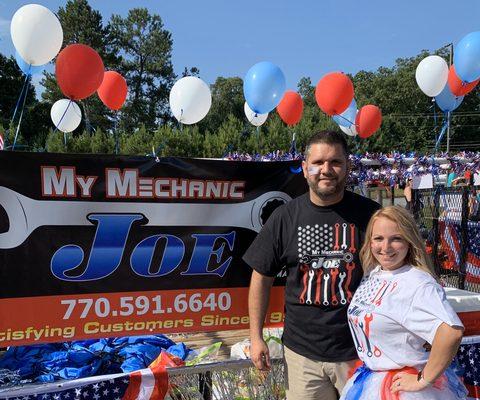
point(113, 90)
point(457, 86)
point(79, 70)
point(368, 120)
point(334, 93)
point(290, 108)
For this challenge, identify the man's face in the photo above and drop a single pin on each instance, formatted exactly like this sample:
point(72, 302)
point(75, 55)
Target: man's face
point(325, 170)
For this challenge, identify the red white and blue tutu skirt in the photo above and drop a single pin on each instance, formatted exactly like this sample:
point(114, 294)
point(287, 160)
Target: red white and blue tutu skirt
point(366, 384)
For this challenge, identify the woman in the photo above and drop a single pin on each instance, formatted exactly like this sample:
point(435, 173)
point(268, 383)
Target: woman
point(397, 315)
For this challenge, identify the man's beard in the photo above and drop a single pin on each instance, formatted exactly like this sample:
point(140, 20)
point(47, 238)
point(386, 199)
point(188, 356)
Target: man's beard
point(326, 193)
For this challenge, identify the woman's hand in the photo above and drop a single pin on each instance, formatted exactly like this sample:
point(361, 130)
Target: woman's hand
point(406, 382)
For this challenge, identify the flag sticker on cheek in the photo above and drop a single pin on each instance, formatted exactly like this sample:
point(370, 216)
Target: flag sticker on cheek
point(313, 170)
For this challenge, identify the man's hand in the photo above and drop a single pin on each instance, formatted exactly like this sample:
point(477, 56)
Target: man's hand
point(259, 354)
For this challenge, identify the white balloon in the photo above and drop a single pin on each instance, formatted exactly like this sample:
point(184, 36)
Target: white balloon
point(254, 118)
point(351, 131)
point(432, 75)
point(66, 115)
point(190, 100)
point(36, 34)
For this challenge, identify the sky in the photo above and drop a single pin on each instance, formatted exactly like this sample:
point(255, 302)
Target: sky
point(305, 38)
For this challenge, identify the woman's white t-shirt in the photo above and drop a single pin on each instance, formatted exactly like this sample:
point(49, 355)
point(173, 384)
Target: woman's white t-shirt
point(395, 314)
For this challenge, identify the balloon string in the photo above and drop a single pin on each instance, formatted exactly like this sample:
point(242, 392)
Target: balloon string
point(444, 129)
point(115, 134)
point(346, 119)
point(59, 122)
point(61, 119)
point(293, 145)
point(180, 120)
point(19, 98)
point(21, 117)
point(435, 122)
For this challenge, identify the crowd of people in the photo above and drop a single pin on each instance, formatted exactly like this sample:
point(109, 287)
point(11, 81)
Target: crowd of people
point(365, 316)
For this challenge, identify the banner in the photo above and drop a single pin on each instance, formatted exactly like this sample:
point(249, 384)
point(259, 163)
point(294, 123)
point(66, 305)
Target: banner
point(100, 246)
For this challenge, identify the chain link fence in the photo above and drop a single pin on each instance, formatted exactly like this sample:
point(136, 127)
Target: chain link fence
point(448, 219)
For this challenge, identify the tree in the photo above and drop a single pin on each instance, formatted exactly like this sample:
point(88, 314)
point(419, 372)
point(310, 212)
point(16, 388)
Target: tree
point(307, 91)
point(144, 48)
point(193, 71)
point(227, 99)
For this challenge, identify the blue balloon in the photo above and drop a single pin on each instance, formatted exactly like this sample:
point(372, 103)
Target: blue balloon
point(26, 68)
point(466, 57)
point(447, 101)
point(347, 118)
point(264, 87)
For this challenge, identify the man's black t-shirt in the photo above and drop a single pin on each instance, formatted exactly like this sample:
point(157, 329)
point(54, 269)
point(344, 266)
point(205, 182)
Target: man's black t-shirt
point(319, 248)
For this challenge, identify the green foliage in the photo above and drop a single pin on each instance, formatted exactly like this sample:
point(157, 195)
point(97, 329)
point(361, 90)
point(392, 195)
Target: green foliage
point(227, 99)
point(140, 143)
point(55, 142)
point(102, 143)
point(184, 142)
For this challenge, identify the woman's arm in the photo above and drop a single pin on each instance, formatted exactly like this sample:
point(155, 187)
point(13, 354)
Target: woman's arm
point(444, 347)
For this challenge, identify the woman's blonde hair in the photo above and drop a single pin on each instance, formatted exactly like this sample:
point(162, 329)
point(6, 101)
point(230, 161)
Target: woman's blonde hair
point(416, 256)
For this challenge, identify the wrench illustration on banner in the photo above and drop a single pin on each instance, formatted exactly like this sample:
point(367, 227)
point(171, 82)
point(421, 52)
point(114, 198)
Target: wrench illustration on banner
point(342, 276)
point(25, 214)
point(344, 236)
point(311, 274)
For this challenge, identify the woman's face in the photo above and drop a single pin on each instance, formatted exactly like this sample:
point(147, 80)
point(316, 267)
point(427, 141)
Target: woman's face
point(388, 245)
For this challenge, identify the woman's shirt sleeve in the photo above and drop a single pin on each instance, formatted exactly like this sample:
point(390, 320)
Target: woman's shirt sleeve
point(428, 310)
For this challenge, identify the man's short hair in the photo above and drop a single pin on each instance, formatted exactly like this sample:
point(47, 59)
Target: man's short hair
point(327, 137)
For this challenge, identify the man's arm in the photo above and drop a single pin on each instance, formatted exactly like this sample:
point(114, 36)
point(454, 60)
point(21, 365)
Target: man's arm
point(258, 298)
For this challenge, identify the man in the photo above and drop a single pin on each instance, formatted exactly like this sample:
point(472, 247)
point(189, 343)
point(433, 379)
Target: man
point(316, 237)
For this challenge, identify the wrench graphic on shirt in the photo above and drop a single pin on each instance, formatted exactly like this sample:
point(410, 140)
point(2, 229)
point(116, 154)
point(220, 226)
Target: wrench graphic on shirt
point(319, 286)
point(352, 248)
point(25, 214)
point(304, 268)
point(369, 349)
point(355, 338)
point(355, 325)
point(337, 237)
point(379, 300)
point(344, 236)
point(350, 268)
point(379, 291)
point(311, 274)
point(334, 273)
point(326, 277)
point(342, 276)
